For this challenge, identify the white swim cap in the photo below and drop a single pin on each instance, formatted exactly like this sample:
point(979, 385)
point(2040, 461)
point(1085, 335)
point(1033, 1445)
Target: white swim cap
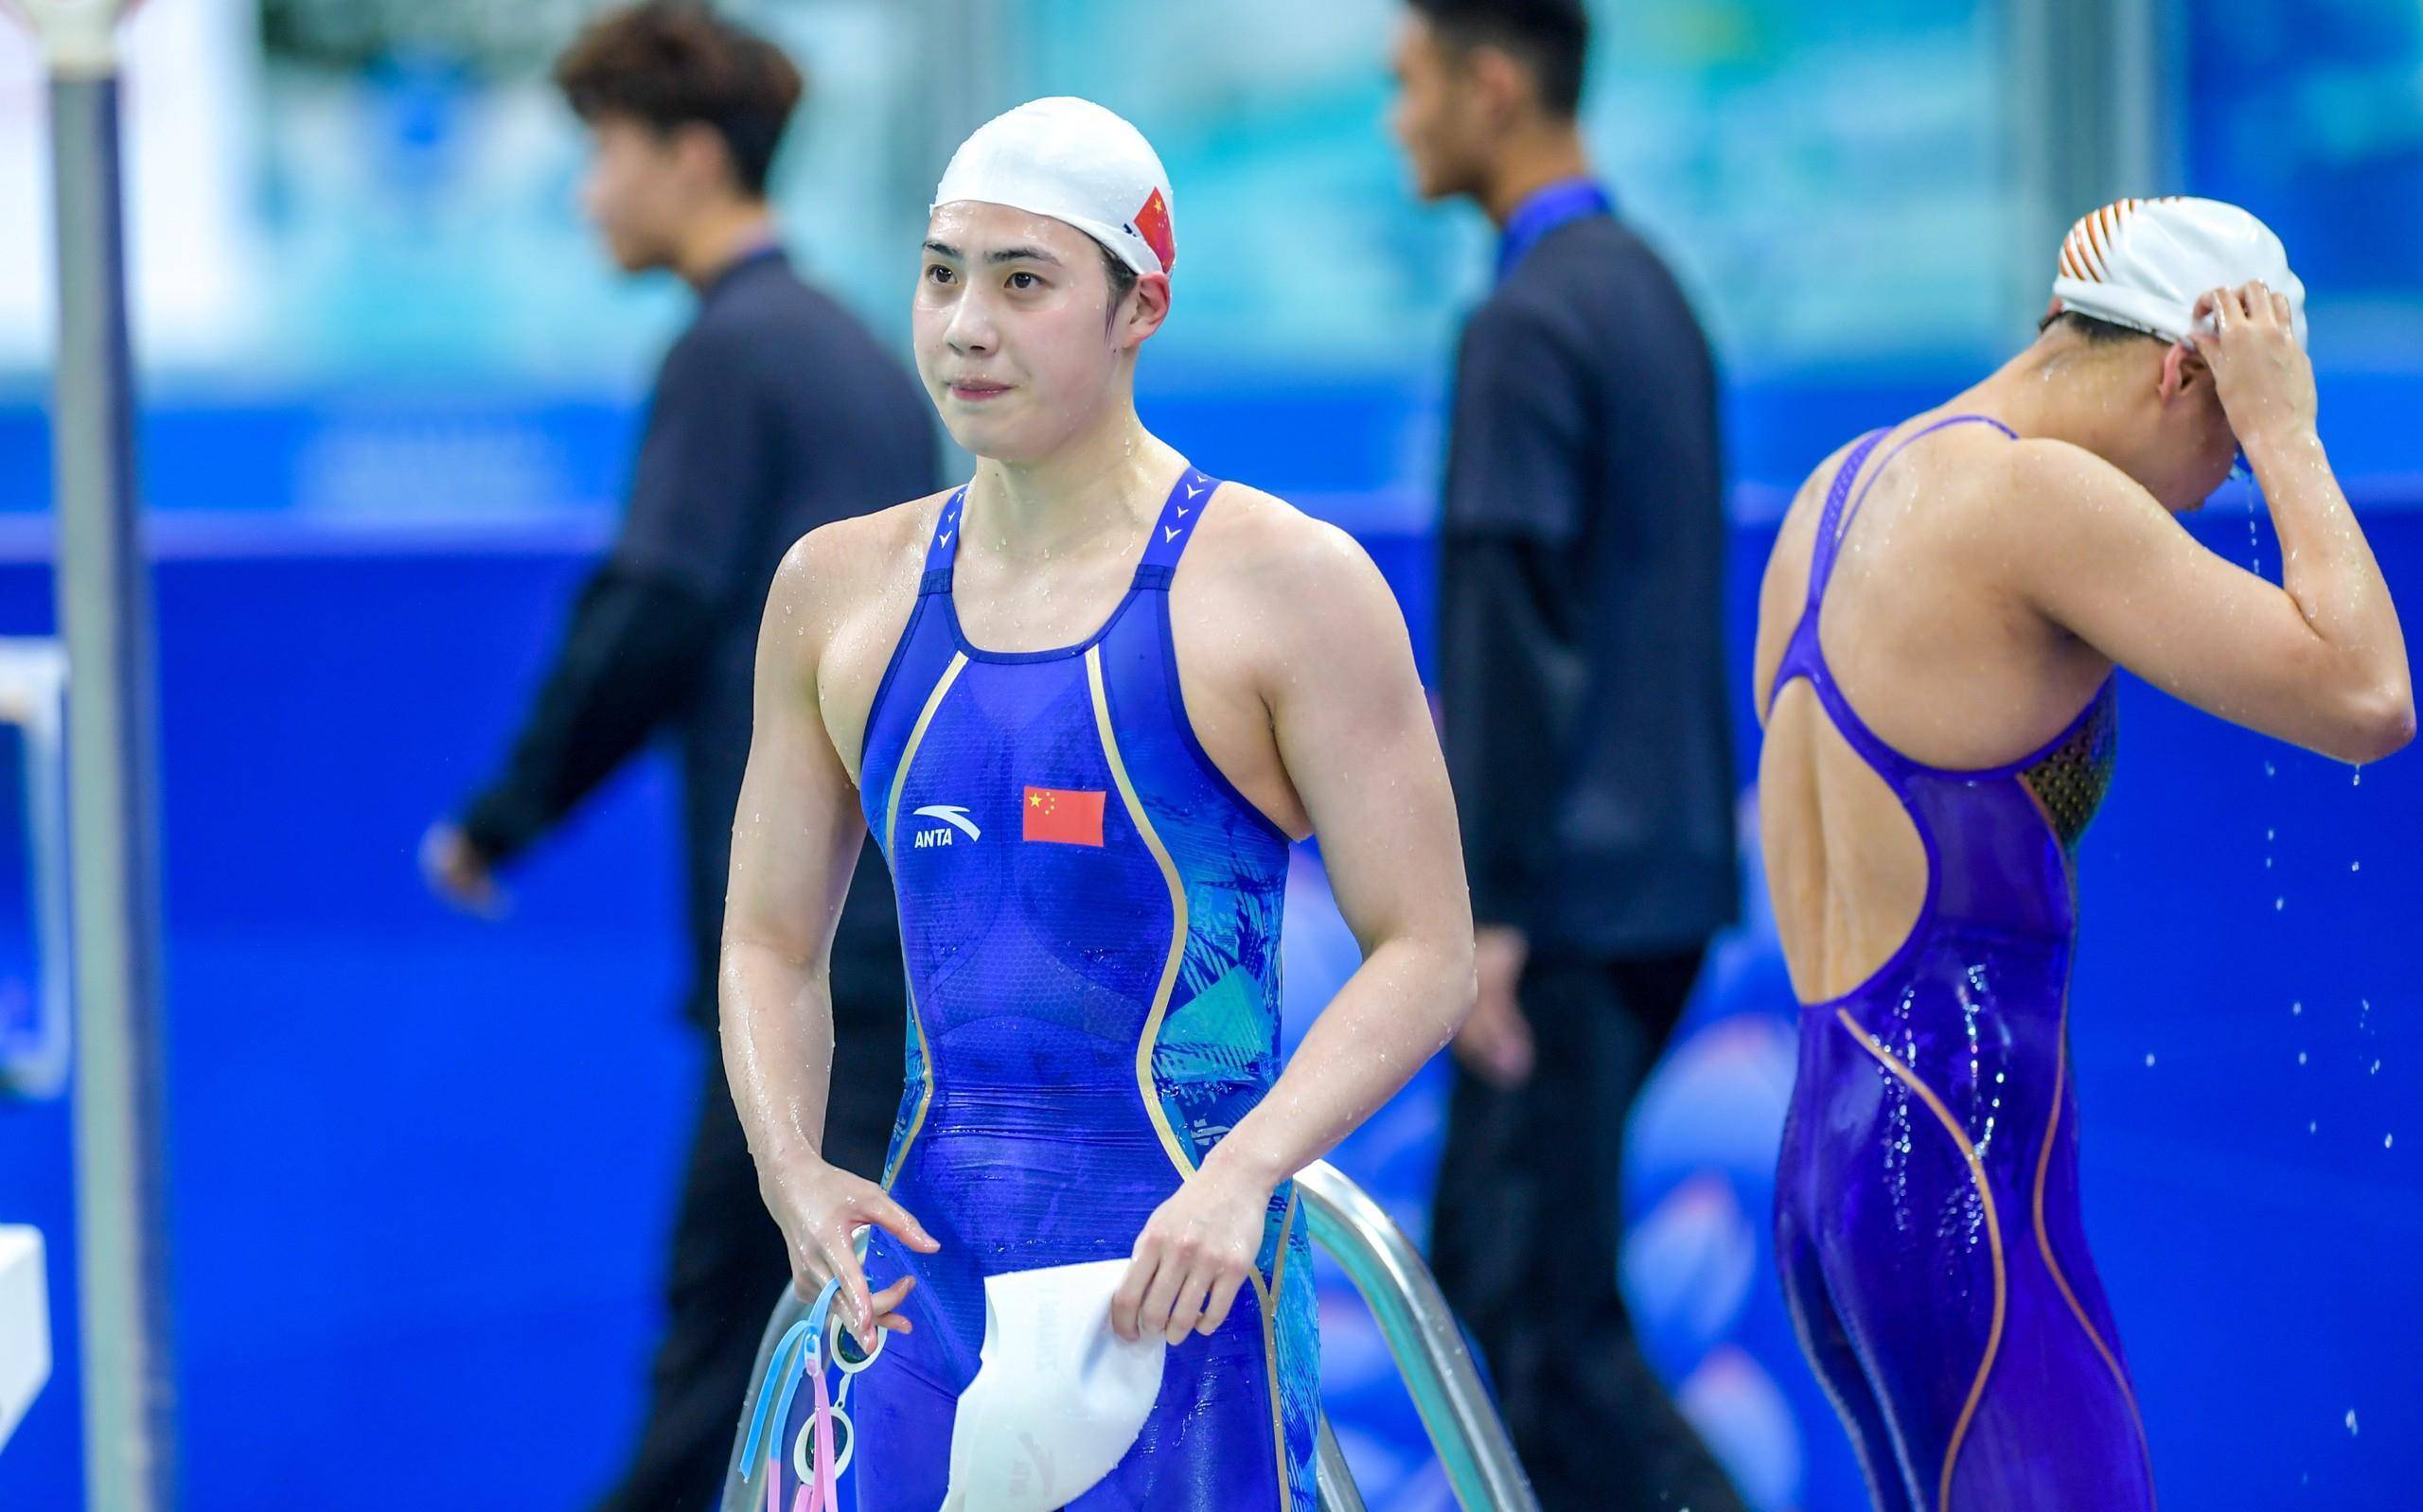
point(2144, 263)
point(1059, 1396)
point(1072, 160)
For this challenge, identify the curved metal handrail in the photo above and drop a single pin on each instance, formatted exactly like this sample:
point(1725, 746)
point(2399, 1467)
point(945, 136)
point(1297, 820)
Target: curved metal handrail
point(1421, 1335)
point(1333, 1480)
point(1414, 1319)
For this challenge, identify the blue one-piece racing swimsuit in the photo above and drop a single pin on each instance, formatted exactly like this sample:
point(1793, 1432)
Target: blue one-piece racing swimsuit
point(1089, 913)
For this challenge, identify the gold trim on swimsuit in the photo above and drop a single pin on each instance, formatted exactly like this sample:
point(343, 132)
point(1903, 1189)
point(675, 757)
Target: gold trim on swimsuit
point(1145, 1044)
point(891, 829)
point(1993, 1240)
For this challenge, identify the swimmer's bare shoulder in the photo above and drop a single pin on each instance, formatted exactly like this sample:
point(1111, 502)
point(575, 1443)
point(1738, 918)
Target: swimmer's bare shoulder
point(2050, 522)
point(1282, 584)
point(1271, 607)
point(2066, 478)
point(847, 588)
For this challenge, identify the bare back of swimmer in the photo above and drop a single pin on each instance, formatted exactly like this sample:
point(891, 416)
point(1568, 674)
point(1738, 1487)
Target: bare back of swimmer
point(1990, 587)
point(1939, 627)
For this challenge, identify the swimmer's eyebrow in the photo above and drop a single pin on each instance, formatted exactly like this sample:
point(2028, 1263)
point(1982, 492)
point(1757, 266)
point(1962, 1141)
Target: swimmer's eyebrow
point(944, 248)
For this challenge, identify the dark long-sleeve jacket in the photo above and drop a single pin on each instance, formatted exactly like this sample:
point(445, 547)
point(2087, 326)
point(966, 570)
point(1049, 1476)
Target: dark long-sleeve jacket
point(1580, 655)
point(775, 413)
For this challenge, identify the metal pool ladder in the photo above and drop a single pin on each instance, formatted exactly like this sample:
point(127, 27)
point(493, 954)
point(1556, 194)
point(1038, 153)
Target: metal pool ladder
point(1464, 1427)
point(1422, 1335)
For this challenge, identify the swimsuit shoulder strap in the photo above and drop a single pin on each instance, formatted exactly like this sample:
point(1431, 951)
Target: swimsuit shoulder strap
point(1181, 513)
point(1830, 520)
point(941, 550)
point(1805, 656)
point(1836, 522)
point(1172, 530)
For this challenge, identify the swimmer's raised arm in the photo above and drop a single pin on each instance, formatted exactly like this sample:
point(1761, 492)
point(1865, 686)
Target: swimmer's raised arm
point(2318, 660)
point(795, 840)
point(1334, 671)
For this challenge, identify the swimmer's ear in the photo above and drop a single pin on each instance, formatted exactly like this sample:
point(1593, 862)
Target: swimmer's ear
point(1146, 305)
point(2180, 369)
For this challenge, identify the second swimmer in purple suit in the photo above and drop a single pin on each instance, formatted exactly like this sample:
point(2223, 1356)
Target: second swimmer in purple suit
point(1938, 629)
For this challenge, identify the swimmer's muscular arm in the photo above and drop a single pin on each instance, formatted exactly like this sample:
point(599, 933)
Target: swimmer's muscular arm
point(2319, 661)
point(1334, 671)
point(795, 840)
point(1354, 729)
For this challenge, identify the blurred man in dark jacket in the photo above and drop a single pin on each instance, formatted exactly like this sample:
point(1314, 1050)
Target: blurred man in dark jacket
point(773, 414)
point(1581, 689)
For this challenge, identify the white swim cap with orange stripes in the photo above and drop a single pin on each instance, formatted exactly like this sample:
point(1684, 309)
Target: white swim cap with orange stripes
point(2144, 263)
point(1073, 161)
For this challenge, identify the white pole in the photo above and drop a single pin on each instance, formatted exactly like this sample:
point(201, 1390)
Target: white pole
point(105, 612)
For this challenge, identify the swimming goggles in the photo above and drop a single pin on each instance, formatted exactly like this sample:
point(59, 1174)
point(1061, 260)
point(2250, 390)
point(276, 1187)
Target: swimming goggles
point(828, 1441)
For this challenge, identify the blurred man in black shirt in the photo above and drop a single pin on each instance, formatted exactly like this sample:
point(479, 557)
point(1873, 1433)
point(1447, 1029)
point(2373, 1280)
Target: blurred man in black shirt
point(773, 414)
point(1580, 681)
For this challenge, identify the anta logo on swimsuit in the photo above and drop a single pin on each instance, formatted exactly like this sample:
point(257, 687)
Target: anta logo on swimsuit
point(1063, 817)
point(953, 815)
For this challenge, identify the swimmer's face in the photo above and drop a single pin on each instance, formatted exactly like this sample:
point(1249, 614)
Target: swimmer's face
point(1017, 338)
point(1439, 116)
point(643, 186)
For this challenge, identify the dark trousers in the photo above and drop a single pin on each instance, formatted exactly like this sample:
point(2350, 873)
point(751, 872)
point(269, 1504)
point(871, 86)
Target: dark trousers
point(1525, 1232)
point(728, 1265)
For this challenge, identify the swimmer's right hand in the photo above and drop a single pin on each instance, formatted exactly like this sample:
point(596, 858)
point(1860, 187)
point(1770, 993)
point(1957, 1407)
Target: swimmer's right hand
point(819, 1208)
point(2247, 337)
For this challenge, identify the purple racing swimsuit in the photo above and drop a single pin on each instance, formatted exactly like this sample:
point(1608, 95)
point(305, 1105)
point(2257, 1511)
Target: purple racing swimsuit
point(1927, 1201)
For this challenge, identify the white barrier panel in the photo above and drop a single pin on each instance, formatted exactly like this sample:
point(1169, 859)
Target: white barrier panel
point(25, 1325)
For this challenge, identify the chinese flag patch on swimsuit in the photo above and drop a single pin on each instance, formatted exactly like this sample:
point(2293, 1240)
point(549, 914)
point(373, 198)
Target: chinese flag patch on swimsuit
point(1068, 818)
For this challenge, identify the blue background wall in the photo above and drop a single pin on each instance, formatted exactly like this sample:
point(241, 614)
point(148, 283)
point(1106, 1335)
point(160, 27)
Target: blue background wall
point(423, 1165)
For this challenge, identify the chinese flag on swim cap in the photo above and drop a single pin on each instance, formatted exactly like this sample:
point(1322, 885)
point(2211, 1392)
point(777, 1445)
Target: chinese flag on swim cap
point(1153, 224)
point(1067, 817)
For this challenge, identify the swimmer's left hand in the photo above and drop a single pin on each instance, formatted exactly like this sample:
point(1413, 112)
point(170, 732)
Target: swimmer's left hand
point(1197, 1250)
